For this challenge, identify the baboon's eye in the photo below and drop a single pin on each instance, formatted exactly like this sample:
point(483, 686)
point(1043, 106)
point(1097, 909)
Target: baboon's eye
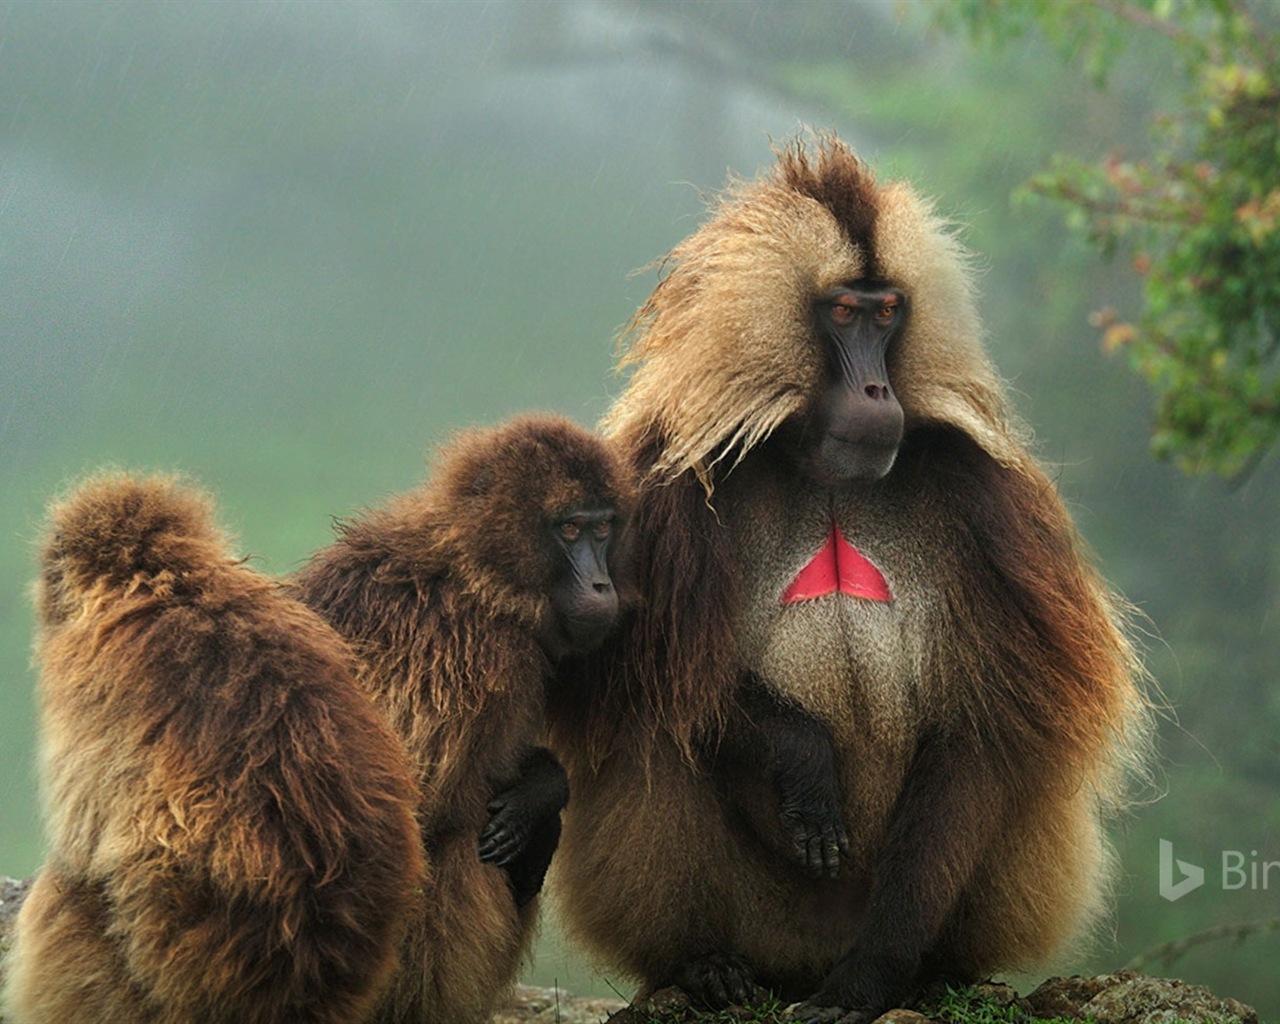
point(570, 531)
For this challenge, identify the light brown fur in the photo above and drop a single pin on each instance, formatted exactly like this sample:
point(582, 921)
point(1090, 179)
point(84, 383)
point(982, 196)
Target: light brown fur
point(443, 592)
point(229, 822)
point(1001, 646)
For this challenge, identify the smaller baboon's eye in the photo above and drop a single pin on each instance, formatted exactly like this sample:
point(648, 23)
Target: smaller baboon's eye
point(842, 313)
point(602, 529)
point(570, 531)
point(886, 313)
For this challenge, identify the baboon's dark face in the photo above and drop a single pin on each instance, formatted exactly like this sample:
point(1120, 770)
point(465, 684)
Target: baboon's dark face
point(853, 430)
point(584, 601)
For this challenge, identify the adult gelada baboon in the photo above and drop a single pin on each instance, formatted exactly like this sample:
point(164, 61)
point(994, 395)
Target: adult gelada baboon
point(229, 821)
point(460, 597)
point(870, 646)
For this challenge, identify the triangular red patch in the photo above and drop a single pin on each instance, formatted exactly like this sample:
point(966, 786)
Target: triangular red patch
point(841, 567)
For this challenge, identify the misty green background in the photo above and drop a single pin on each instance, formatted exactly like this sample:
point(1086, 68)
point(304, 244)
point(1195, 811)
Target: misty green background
point(284, 247)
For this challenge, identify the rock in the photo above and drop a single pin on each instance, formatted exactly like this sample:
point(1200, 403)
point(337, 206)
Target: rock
point(1128, 998)
point(999, 994)
point(672, 1004)
point(1063, 997)
point(12, 892)
point(902, 1017)
point(1135, 999)
point(550, 1006)
point(668, 1001)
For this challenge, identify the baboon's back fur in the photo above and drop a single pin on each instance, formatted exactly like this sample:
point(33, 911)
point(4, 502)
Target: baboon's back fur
point(229, 821)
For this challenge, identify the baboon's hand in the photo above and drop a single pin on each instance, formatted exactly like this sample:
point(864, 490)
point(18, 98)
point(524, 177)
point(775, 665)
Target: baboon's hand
point(811, 814)
point(801, 761)
point(511, 823)
point(523, 809)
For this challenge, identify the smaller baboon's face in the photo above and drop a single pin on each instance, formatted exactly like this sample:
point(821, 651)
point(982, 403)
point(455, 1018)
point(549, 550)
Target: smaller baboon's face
point(853, 429)
point(583, 598)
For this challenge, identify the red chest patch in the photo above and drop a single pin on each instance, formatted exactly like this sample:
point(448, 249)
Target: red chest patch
point(838, 567)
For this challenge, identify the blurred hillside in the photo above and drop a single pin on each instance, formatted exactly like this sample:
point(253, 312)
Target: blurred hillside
point(284, 246)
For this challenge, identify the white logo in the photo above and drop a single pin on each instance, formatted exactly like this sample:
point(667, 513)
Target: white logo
point(1168, 888)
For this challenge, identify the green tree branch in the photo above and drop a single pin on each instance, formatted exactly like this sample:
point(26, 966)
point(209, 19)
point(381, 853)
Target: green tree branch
point(1198, 215)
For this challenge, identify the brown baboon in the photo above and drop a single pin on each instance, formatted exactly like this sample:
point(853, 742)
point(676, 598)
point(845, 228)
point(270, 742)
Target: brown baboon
point(870, 645)
point(230, 824)
point(460, 597)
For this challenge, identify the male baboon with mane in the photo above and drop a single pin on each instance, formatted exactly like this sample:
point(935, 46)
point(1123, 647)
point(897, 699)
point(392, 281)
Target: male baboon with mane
point(460, 597)
point(229, 821)
point(864, 730)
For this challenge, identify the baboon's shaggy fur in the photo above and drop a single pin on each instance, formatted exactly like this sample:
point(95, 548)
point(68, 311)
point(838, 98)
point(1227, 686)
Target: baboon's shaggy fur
point(444, 593)
point(229, 822)
point(983, 720)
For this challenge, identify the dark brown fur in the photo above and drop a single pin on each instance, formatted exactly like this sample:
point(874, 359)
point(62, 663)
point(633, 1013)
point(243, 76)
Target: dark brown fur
point(983, 721)
point(229, 821)
point(444, 593)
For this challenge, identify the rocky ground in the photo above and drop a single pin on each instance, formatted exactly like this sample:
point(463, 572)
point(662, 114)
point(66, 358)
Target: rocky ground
point(12, 893)
point(551, 1006)
point(1123, 998)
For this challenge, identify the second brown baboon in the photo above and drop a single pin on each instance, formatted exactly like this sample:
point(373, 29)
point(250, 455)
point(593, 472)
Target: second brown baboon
point(229, 821)
point(460, 597)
